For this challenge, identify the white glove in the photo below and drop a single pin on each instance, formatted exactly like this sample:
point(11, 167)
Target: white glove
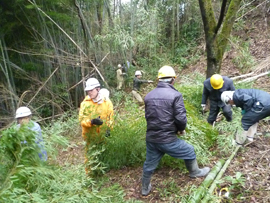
point(150, 81)
point(203, 106)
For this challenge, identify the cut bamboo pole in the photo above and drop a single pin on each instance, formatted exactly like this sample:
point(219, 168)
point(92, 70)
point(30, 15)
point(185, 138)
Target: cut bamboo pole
point(254, 77)
point(207, 181)
point(222, 171)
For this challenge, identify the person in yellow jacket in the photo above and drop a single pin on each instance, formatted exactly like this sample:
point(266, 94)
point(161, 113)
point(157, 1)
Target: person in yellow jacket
point(120, 77)
point(96, 114)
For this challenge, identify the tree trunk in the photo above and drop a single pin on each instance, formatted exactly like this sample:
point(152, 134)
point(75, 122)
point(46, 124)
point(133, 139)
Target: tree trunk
point(173, 26)
point(216, 41)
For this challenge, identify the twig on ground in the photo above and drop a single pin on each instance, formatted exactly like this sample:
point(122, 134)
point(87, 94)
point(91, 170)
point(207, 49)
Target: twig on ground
point(248, 143)
point(264, 153)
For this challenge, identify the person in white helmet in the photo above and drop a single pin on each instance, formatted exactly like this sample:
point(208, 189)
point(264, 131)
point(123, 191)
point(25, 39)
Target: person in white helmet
point(137, 84)
point(105, 93)
point(95, 116)
point(255, 105)
point(120, 77)
point(165, 115)
point(23, 117)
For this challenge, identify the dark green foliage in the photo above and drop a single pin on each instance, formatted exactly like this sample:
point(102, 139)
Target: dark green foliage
point(126, 145)
point(25, 178)
point(17, 149)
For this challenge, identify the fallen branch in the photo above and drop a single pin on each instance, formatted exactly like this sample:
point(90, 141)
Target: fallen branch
point(242, 76)
point(253, 78)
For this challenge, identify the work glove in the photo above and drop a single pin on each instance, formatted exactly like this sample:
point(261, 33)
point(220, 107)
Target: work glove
point(203, 107)
point(150, 81)
point(96, 121)
point(243, 112)
point(108, 133)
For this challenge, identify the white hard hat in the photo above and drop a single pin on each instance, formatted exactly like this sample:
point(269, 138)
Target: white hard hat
point(226, 96)
point(104, 92)
point(119, 66)
point(23, 112)
point(138, 73)
point(91, 83)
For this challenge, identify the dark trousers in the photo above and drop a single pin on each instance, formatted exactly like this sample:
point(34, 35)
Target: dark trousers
point(155, 151)
point(254, 115)
point(214, 110)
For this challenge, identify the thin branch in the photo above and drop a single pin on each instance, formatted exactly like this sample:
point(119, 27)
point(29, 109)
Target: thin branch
point(250, 10)
point(103, 58)
point(43, 85)
point(221, 16)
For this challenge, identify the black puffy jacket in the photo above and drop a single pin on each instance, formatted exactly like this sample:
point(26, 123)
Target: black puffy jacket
point(215, 95)
point(165, 114)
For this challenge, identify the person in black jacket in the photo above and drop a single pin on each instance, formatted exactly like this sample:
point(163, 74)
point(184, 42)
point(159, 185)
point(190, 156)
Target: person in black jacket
point(212, 89)
point(137, 81)
point(165, 115)
point(255, 105)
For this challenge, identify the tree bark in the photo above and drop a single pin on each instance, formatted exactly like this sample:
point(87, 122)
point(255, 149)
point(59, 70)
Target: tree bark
point(216, 41)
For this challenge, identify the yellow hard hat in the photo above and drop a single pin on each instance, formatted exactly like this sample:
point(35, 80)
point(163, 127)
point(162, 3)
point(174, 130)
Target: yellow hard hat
point(216, 81)
point(166, 72)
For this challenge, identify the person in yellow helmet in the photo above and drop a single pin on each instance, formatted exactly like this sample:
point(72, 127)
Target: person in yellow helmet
point(95, 116)
point(165, 115)
point(212, 89)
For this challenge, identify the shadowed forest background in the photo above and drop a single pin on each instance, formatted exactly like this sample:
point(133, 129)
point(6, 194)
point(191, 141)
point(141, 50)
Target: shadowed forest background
point(48, 49)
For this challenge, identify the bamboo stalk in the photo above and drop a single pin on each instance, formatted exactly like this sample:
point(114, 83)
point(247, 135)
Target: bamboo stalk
point(222, 171)
point(43, 85)
point(207, 181)
point(254, 77)
point(68, 36)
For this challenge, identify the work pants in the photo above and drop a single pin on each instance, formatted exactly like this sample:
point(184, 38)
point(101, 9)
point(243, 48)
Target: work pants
point(119, 85)
point(214, 110)
point(137, 96)
point(155, 151)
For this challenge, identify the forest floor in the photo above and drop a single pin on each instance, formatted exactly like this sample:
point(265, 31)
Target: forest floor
point(252, 161)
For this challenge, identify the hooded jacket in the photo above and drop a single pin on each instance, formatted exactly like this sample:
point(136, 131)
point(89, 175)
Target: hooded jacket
point(213, 94)
point(90, 110)
point(165, 114)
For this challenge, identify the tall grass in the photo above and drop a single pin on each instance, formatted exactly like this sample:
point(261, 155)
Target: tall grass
point(126, 145)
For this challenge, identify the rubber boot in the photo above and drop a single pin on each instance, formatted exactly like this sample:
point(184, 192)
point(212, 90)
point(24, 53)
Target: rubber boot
point(251, 132)
point(194, 170)
point(146, 185)
point(241, 138)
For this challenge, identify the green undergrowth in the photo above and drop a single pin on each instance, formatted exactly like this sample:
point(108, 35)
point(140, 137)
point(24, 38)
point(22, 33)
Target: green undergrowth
point(126, 145)
point(25, 178)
